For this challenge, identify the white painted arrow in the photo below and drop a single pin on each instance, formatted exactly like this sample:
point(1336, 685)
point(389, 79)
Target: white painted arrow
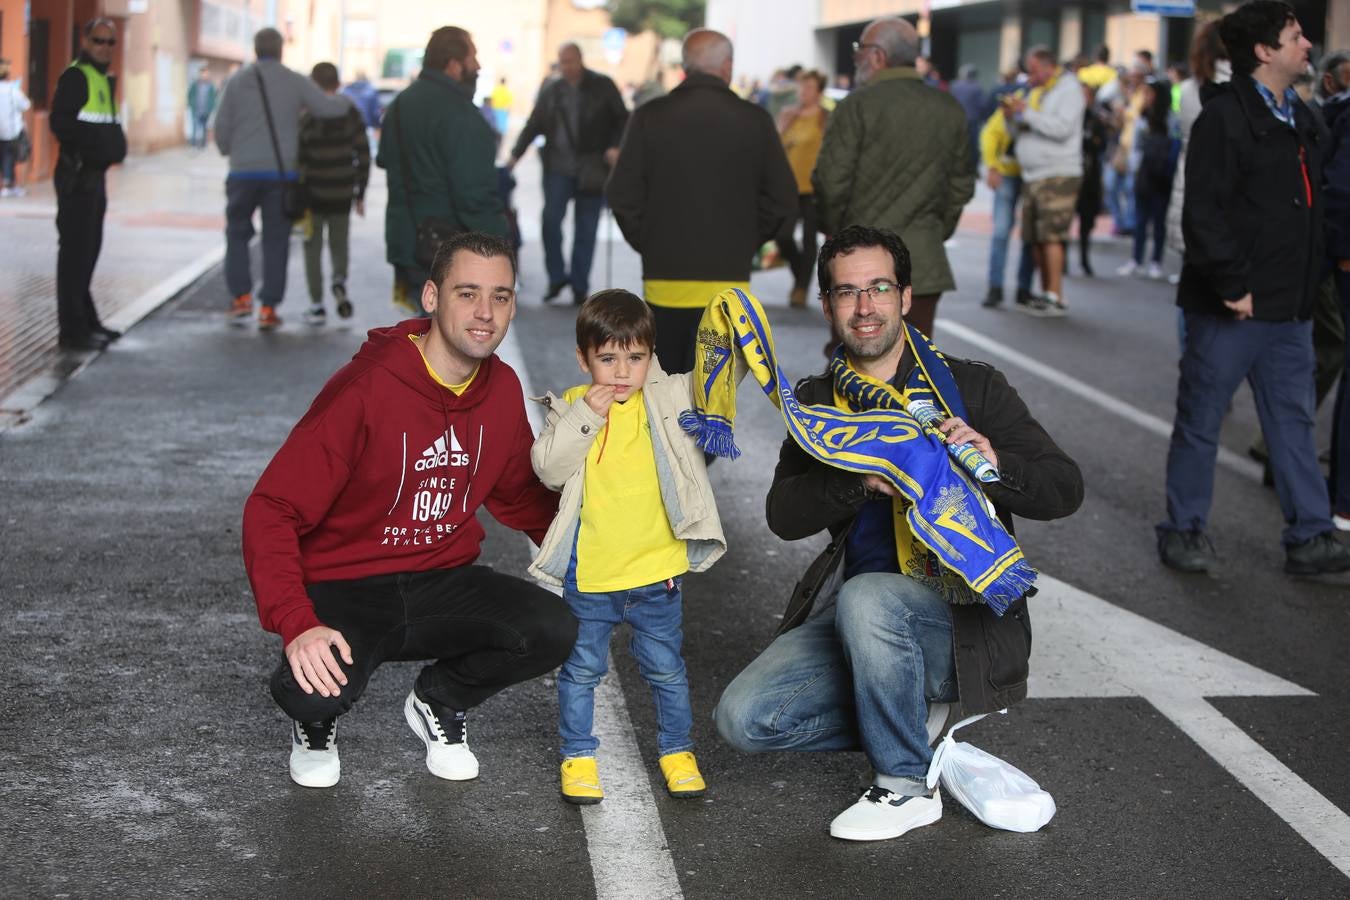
point(1087, 647)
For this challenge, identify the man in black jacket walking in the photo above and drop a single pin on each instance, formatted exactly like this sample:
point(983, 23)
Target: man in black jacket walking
point(701, 182)
point(581, 116)
point(84, 121)
point(1252, 221)
point(869, 658)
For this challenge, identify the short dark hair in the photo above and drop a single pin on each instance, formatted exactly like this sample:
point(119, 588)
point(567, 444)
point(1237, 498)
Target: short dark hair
point(615, 315)
point(1103, 54)
point(1257, 22)
point(1043, 53)
point(325, 75)
point(1146, 55)
point(854, 237)
point(267, 43)
point(484, 245)
point(446, 43)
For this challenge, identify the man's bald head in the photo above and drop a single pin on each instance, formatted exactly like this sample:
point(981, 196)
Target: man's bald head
point(570, 65)
point(707, 51)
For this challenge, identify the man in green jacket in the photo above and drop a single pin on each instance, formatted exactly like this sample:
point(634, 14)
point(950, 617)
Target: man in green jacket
point(897, 156)
point(449, 150)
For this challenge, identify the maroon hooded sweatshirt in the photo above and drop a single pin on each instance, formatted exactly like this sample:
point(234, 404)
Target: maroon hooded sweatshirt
point(384, 474)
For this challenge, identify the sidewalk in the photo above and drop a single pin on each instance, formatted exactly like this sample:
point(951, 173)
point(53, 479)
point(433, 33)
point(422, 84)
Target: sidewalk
point(164, 229)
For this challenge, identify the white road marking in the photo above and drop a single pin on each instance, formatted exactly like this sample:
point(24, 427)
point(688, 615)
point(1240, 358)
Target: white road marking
point(1087, 647)
point(630, 859)
point(1227, 458)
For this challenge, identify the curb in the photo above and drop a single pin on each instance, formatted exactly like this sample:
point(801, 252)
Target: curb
point(17, 406)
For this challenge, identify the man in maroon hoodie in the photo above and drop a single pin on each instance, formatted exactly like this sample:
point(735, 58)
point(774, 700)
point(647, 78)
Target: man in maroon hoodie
point(360, 536)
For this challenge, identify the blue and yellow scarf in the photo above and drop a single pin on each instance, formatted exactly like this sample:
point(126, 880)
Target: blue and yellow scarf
point(868, 431)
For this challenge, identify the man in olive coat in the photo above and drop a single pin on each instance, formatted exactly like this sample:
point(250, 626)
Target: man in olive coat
point(897, 156)
point(450, 153)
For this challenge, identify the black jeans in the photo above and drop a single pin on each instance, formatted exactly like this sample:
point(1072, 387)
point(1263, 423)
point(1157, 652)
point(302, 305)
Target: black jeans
point(81, 202)
point(800, 261)
point(486, 631)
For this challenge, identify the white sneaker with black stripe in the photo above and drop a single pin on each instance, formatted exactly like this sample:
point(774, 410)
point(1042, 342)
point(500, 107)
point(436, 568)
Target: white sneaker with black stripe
point(881, 814)
point(314, 754)
point(444, 732)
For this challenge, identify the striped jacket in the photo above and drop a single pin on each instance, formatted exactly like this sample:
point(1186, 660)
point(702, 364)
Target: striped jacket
point(334, 161)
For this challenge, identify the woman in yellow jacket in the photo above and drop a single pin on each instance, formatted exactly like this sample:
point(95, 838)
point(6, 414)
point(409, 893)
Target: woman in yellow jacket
point(802, 128)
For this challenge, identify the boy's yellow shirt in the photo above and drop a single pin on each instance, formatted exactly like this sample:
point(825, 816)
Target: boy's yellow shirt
point(624, 540)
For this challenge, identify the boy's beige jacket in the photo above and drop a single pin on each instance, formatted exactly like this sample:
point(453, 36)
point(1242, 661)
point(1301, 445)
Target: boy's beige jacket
point(559, 458)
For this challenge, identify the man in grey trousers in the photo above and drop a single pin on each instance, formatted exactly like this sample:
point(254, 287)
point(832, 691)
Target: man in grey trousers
point(257, 177)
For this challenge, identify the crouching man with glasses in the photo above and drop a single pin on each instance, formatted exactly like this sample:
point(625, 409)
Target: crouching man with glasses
point(882, 636)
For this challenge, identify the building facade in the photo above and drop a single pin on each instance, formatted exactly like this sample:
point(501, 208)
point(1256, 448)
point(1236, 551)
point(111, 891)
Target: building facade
point(992, 35)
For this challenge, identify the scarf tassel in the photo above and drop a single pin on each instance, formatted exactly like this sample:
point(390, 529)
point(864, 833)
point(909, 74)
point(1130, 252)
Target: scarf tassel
point(1009, 587)
point(711, 433)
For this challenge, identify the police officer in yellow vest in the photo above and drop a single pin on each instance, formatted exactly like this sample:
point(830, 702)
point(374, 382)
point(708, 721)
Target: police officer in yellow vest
point(84, 121)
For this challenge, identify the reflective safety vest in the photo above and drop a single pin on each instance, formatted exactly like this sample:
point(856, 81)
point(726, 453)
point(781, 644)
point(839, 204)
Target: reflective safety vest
point(99, 108)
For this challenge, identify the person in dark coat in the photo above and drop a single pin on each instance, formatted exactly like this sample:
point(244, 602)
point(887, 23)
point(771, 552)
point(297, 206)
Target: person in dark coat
point(700, 183)
point(1090, 191)
point(1252, 219)
point(581, 116)
point(869, 658)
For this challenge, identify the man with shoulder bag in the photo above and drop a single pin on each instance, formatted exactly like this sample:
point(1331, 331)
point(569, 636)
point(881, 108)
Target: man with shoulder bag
point(439, 153)
point(258, 128)
point(581, 116)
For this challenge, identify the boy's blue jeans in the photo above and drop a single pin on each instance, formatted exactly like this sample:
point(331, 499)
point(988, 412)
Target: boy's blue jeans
point(654, 613)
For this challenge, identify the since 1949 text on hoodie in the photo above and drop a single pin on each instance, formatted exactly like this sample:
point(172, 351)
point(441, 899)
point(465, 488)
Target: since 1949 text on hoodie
point(384, 473)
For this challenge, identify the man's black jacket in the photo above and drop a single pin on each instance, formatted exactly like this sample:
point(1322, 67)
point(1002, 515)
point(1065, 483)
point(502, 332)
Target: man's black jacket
point(1039, 481)
point(701, 182)
point(603, 116)
point(1247, 219)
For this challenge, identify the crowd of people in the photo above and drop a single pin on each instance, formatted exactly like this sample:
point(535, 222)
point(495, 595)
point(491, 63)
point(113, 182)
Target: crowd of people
point(360, 538)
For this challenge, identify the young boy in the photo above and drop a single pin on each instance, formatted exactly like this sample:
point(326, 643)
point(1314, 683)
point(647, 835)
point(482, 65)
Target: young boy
point(335, 166)
point(636, 513)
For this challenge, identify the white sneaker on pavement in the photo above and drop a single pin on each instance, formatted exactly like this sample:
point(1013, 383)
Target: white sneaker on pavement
point(443, 731)
point(1341, 522)
point(315, 315)
point(1128, 269)
point(881, 814)
point(1155, 271)
point(314, 754)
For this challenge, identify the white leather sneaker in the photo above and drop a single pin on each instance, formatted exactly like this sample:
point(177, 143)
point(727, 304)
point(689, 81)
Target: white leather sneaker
point(444, 732)
point(881, 814)
point(314, 754)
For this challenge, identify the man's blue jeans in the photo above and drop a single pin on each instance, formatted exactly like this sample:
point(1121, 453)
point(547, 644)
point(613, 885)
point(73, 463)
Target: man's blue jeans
point(1005, 209)
point(242, 197)
point(858, 674)
point(654, 614)
point(559, 190)
point(1277, 359)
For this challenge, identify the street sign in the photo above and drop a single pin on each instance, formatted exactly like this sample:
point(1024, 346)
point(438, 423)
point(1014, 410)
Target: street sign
point(612, 43)
point(1174, 8)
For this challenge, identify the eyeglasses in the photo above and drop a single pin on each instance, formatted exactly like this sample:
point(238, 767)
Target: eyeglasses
point(103, 42)
point(858, 48)
point(881, 292)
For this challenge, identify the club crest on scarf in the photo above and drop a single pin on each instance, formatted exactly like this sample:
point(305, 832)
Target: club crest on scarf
point(867, 431)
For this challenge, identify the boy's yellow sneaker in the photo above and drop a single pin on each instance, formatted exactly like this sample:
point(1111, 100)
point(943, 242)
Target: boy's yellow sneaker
point(581, 781)
point(683, 779)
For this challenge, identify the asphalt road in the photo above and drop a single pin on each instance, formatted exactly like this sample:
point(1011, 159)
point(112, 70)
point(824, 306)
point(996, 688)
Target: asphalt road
point(140, 754)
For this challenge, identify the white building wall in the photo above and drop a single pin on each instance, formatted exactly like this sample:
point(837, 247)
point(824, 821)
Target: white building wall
point(768, 34)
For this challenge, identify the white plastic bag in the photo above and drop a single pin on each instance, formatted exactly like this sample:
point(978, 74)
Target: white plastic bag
point(998, 794)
